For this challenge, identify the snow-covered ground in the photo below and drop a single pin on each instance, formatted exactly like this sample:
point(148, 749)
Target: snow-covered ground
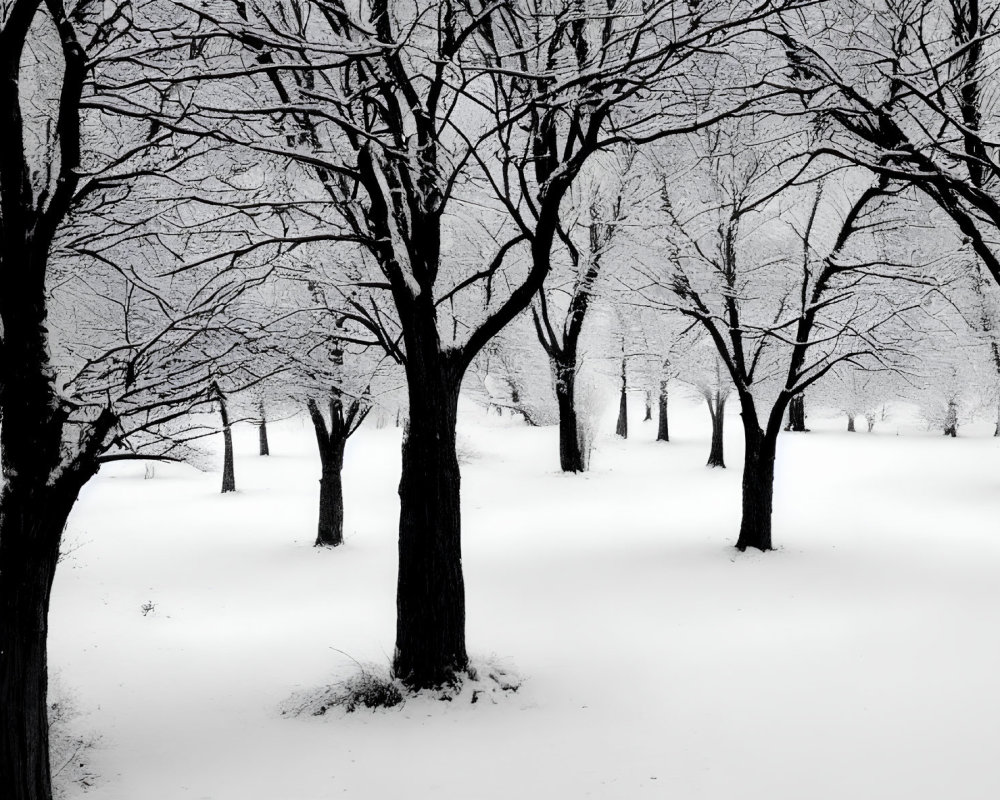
point(860, 660)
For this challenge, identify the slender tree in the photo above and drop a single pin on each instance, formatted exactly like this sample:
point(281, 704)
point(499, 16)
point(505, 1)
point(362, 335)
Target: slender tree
point(780, 321)
point(621, 425)
point(264, 447)
point(715, 393)
point(662, 419)
point(228, 459)
point(586, 263)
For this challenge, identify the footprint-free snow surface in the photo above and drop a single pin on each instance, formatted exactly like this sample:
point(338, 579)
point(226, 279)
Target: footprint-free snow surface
point(859, 660)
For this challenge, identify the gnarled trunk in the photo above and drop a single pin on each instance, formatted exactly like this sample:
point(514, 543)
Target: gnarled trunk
point(32, 518)
point(663, 426)
point(758, 488)
point(571, 451)
point(430, 597)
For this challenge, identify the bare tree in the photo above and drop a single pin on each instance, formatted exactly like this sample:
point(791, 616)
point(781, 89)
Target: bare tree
point(103, 351)
point(404, 115)
point(714, 385)
point(781, 320)
point(570, 292)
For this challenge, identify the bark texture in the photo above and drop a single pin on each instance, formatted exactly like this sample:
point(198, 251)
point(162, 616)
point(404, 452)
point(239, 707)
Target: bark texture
point(571, 449)
point(430, 596)
point(31, 526)
point(330, 528)
point(331, 439)
point(758, 490)
point(33, 514)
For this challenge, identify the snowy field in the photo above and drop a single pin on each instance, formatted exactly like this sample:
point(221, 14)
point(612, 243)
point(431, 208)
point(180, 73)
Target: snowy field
point(859, 660)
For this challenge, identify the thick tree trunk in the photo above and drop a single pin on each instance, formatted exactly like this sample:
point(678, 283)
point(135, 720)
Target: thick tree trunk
point(850, 423)
point(32, 519)
point(663, 427)
point(717, 409)
point(758, 490)
point(430, 598)
point(41, 480)
point(797, 414)
point(330, 531)
point(571, 454)
point(621, 428)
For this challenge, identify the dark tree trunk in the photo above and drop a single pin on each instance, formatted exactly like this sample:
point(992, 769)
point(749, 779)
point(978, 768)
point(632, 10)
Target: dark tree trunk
point(41, 480)
point(870, 419)
point(797, 414)
point(717, 409)
point(228, 471)
point(649, 406)
point(331, 439)
point(621, 428)
point(571, 454)
point(663, 428)
point(32, 519)
point(265, 449)
point(330, 531)
point(996, 431)
point(430, 598)
point(758, 490)
point(850, 423)
point(800, 419)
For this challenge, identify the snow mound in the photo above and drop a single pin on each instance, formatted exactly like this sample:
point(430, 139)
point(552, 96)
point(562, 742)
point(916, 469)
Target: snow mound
point(372, 687)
